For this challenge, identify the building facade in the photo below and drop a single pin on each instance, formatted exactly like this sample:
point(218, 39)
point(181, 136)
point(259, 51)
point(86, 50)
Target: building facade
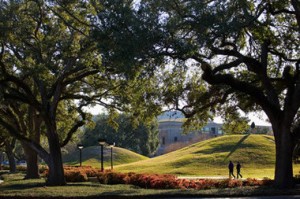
point(171, 135)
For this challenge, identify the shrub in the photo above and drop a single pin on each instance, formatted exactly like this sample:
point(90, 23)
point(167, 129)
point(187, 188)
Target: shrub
point(111, 178)
point(158, 181)
point(75, 176)
point(252, 182)
point(163, 182)
point(154, 181)
point(21, 168)
point(43, 169)
point(235, 183)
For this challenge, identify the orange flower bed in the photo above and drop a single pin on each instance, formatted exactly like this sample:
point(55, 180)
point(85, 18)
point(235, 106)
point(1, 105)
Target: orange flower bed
point(154, 181)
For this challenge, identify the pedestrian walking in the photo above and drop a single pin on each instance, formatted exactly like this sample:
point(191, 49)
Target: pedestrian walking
point(230, 167)
point(238, 170)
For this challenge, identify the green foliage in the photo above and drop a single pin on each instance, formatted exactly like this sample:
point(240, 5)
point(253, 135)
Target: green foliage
point(51, 62)
point(234, 123)
point(142, 139)
point(247, 52)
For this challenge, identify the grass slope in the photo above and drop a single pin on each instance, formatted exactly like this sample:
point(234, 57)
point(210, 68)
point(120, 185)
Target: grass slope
point(210, 158)
point(91, 157)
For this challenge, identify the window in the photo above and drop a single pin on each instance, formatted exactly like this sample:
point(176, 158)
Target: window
point(213, 130)
point(175, 139)
point(163, 140)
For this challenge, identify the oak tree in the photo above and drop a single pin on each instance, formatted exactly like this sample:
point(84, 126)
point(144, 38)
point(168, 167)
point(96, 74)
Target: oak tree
point(241, 54)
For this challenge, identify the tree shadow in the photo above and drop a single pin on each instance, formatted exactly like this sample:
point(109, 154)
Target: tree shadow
point(22, 186)
point(235, 147)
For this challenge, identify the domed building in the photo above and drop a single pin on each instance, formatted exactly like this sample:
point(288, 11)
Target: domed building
point(171, 136)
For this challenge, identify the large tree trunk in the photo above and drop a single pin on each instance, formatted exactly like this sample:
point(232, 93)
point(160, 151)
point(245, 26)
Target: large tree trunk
point(56, 171)
point(11, 157)
point(284, 152)
point(32, 171)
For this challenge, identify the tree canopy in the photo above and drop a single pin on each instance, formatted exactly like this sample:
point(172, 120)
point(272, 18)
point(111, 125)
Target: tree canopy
point(142, 139)
point(236, 55)
point(51, 65)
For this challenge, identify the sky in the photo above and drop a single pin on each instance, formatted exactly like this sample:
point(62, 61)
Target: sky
point(258, 118)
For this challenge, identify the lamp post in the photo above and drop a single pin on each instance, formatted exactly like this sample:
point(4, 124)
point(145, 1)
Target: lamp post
point(80, 147)
point(111, 155)
point(102, 142)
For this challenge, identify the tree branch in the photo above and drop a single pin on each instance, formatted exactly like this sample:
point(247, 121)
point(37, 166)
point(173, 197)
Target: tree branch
point(254, 92)
point(35, 146)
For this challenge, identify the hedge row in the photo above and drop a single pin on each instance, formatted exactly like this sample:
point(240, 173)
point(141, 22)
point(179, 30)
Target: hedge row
point(159, 181)
point(77, 174)
point(154, 181)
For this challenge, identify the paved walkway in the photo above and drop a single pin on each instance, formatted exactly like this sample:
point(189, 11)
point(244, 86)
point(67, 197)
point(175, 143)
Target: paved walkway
point(205, 177)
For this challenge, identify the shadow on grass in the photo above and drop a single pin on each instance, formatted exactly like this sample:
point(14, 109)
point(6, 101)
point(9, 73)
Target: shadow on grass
point(235, 147)
point(22, 186)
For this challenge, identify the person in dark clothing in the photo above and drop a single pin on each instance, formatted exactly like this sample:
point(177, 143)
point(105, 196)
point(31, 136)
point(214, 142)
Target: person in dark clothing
point(230, 167)
point(238, 170)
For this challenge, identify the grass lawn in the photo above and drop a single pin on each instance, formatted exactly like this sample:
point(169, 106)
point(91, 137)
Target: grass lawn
point(91, 157)
point(210, 158)
point(207, 158)
point(15, 187)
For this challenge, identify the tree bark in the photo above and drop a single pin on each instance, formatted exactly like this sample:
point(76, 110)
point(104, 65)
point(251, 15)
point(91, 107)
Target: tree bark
point(284, 153)
point(11, 157)
point(56, 171)
point(32, 171)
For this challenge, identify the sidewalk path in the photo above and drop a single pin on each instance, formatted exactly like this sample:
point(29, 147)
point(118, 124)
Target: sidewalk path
point(203, 177)
point(210, 177)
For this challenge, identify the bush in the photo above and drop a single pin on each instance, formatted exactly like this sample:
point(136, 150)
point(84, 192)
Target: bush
point(43, 169)
point(154, 181)
point(75, 176)
point(252, 182)
point(21, 168)
point(111, 178)
point(158, 181)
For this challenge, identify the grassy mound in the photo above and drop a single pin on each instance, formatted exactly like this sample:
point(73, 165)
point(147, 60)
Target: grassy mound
point(91, 157)
point(256, 153)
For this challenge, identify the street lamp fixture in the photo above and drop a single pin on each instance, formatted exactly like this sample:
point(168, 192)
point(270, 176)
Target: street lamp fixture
point(111, 145)
point(80, 147)
point(102, 142)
